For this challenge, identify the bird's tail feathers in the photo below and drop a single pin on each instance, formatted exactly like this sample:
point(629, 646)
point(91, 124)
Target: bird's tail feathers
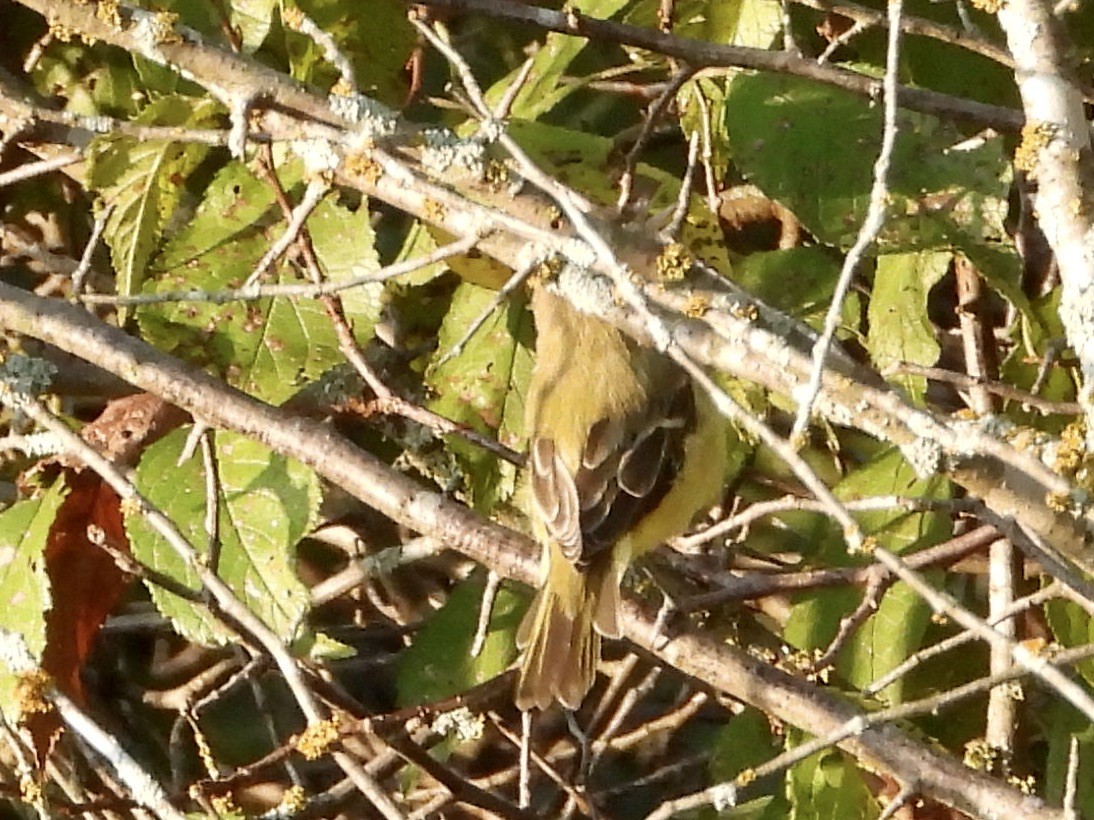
point(561, 633)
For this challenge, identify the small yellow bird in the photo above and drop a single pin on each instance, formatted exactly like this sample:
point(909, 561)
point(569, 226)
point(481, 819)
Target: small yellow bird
point(624, 450)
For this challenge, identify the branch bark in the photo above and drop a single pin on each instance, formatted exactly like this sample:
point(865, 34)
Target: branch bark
point(722, 667)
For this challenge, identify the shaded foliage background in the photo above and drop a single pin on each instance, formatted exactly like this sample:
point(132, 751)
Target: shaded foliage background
point(956, 306)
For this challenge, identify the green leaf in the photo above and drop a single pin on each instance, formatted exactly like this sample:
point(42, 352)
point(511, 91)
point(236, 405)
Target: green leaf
point(1071, 626)
point(1063, 723)
point(252, 19)
point(266, 504)
point(701, 103)
point(950, 69)
point(892, 634)
point(726, 22)
point(143, 181)
point(814, 619)
point(813, 272)
point(266, 347)
point(743, 743)
point(581, 160)
point(439, 662)
point(895, 529)
point(827, 786)
point(897, 628)
point(900, 330)
point(24, 585)
point(811, 147)
point(419, 242)
point(97, 80)
point(541, 91)
point(483, 386)
point(374, 35)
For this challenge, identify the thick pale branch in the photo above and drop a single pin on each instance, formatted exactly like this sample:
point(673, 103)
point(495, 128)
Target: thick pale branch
point(722, 667)
point(770, 349)
point(699, 54)
point(1057, 149)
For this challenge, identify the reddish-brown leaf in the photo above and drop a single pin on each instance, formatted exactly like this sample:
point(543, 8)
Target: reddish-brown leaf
point(85, 582)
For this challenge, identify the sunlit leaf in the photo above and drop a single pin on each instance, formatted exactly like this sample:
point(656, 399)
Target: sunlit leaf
point(439, 662)
point(24, 586)
point(267, 347)
point(142, 180)
point(900, 330)
point(483, 386)
point(265, 503)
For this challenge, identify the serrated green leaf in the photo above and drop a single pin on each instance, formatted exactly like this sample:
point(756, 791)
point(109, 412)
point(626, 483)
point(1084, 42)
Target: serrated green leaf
point(419, 242)
point(266, 504)
point(266, 347)
point(483, 386)
point(97, 80)
point(24, 585)
point(579, 160)
point(439, 662)
point(804, 145)
point(143, 181)
point(900, 330)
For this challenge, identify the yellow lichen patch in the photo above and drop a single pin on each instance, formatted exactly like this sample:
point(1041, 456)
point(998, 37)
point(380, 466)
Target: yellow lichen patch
point(107, 11)
point(225, 806)
point(745, 777)
point(496, 174)
point(1035, 136)
point(31, 693)
point(163, 27)
point(342, 88)
point(867, 547)
point(61, 32)
point(365, 167)
point(292, 17)
point(433, 210)
point(293, 800)
point(30, 789)
point(981, 755)
point(674, 262)
point(314, 741)
point(697, 306)
point(1071, 450)
point(131, 506)
point(1057, 502)
point(554, 217)
point(989, 6)
point(1026, 785)
point(744, 310)
point(1035, 646)
point(545, 271)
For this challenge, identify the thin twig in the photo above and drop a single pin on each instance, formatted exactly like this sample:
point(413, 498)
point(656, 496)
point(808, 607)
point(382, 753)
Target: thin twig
point(868, 232)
